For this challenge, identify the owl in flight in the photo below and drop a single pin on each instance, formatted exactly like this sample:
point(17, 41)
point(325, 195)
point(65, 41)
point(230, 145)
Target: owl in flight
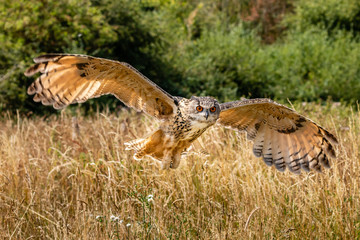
point(281, 136)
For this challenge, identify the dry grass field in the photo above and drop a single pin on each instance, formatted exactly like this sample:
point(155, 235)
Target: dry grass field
point(60, 181)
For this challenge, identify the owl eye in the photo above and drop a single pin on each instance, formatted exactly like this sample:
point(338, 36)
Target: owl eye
point(212, 109)
point(199, 108)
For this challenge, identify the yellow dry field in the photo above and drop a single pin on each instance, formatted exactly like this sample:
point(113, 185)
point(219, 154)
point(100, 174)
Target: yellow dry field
point(59, 180)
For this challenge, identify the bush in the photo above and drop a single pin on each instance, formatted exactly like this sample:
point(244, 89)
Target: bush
point(312, 61)
point(105, 28)
point(329, 15)
point(310, 66)
point(189, 47)
point(34, 27)
point(222, 64)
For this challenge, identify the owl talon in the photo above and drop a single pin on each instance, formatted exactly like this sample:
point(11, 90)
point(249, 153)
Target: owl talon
point(175, 164)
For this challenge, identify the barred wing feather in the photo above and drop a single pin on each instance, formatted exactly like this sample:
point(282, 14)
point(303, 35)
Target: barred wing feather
point(281, 136)
point(67, 79)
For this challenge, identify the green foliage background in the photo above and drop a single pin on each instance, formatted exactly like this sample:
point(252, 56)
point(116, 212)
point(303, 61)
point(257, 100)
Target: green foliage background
point(192, 47)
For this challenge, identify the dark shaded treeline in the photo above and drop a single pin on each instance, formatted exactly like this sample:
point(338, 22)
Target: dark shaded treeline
point(300, 50)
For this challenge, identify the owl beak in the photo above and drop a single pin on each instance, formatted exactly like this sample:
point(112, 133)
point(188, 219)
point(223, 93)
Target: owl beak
point(207, 114)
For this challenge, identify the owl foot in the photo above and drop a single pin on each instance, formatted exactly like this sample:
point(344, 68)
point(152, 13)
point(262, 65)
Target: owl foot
point(175, 163)
point(172, 163)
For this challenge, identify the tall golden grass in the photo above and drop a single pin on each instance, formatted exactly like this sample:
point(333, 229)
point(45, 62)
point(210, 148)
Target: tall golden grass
point(63, 180)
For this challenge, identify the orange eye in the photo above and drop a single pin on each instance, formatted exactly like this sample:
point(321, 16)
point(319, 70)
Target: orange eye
point(212, 109)
point(199, 108)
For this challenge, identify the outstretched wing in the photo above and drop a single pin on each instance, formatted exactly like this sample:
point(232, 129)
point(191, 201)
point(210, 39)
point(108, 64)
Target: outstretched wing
point(281, 136)
point(68, 79)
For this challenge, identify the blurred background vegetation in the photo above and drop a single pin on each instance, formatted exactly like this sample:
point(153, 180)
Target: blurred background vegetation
point(284, 49)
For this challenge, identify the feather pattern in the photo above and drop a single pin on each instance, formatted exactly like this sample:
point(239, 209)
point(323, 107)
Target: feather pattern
point(281, 136)
point(68, 79)
point(267, 149)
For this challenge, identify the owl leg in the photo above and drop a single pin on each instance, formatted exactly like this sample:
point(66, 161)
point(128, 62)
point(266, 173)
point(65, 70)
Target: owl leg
point(171, 162)
point(178, 152)
point(175, 161)
point(166, 160)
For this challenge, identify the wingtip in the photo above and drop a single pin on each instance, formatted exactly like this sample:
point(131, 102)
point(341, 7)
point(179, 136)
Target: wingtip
point(305, 169)
point(295, 169)
point(32, 70)
point(330, 151)
point(317, 168)
point(37, 97)
point(47, 57)
point(329, 136)
point(332, 138)
point(58, 106)
point(280, 168)
point(31, 89)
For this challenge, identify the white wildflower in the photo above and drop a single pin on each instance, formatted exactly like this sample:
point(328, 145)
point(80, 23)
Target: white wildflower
point(114, 218)
point(150, 198)
point(128, 225)
point(98, 218)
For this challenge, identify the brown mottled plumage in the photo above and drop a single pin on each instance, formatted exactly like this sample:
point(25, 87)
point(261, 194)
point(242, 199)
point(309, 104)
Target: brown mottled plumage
point(281, 136)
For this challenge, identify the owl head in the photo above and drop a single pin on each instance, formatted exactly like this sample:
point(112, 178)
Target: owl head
point(201, 109)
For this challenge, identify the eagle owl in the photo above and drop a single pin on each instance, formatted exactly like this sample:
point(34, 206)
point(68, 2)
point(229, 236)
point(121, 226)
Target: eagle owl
point(281, 136)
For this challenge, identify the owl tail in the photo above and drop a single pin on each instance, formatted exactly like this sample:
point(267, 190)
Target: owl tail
point(138, 145)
